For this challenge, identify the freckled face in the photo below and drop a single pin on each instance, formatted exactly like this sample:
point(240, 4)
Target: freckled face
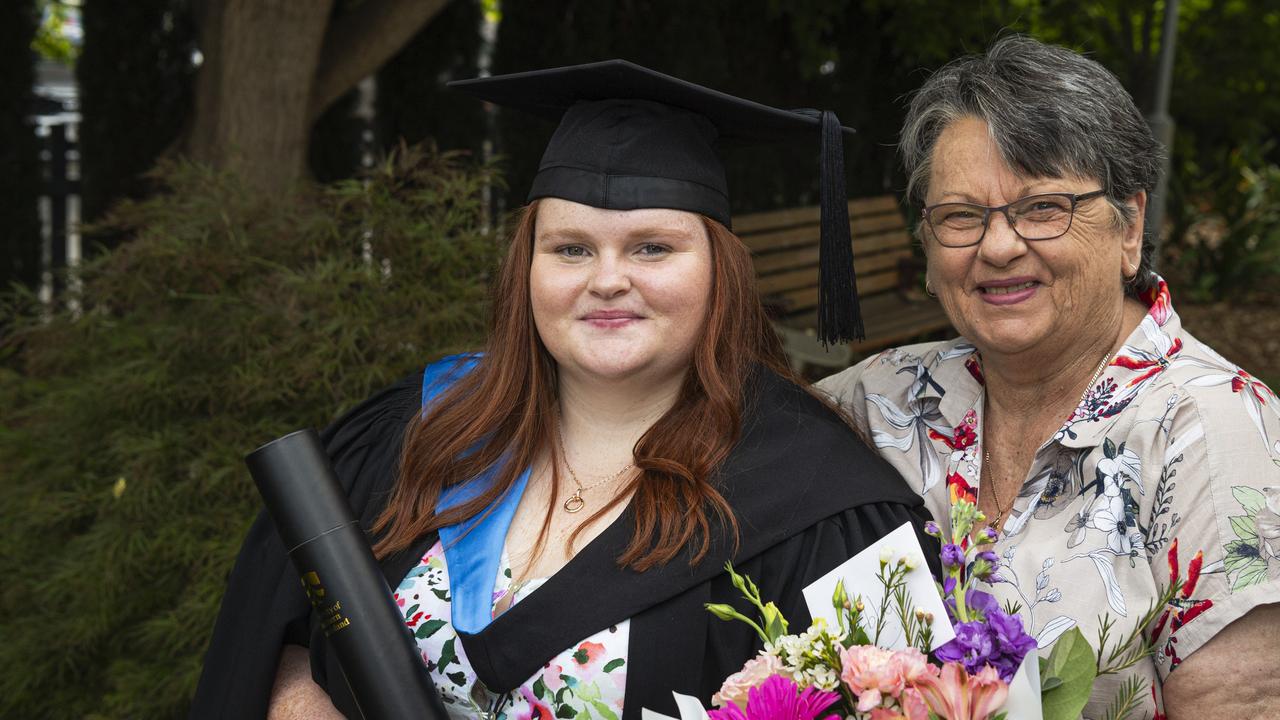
point(1010, 295)
point(619, 293)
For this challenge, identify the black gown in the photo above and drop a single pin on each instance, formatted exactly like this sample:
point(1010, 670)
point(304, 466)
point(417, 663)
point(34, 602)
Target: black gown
point(807, 493)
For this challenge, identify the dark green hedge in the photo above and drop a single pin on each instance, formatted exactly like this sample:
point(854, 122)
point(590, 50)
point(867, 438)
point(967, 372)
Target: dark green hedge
point(224, 321)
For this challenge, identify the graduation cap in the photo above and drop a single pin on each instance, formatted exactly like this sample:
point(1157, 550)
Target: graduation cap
point(630, 137)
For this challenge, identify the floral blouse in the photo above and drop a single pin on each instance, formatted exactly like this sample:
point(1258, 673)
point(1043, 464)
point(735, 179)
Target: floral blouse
point(1168, 468)
point(585, 681)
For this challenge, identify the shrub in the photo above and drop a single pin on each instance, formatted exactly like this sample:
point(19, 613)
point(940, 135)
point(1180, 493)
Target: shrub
point(226, 320)
point(1230, 239)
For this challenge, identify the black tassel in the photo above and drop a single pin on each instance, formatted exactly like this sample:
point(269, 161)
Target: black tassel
point(839, 313)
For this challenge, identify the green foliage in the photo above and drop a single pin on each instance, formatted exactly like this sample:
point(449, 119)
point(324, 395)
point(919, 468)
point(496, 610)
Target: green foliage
point(226, 320)
point(50, 42)
point(1066, 677)
point(1128, 699)
point(1229, 247)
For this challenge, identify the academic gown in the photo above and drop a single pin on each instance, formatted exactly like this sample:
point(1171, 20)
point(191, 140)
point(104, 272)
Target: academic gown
point(807, 494)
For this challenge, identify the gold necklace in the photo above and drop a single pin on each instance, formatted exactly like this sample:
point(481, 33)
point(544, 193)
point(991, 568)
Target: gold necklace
point(986, 452)
point(575, 501)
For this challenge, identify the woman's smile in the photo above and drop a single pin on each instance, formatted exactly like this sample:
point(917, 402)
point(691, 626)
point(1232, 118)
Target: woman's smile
point(1008, 292)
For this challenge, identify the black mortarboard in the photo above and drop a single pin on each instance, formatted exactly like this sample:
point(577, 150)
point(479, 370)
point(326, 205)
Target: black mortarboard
point(630, 138)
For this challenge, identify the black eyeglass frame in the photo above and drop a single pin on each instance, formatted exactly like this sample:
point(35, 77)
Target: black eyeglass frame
point(988, 210)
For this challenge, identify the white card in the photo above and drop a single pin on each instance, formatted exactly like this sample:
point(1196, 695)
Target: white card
point(1024, 691)
point(859, 575)
point(689, 707)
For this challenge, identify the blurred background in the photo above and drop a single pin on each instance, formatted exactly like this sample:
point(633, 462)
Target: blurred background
point(223, 220)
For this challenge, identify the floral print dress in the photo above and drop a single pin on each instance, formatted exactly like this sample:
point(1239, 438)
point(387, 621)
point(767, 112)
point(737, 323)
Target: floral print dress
point(585, 681)
point(1169, 469)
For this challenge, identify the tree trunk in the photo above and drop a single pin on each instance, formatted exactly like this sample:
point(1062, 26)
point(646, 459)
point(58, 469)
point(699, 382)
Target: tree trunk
point(270, 69)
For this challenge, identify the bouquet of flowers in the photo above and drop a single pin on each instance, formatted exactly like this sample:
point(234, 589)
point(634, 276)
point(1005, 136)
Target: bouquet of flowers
point(888, 658)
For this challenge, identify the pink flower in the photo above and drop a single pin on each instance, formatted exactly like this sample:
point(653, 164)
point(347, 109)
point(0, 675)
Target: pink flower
point(956, 695)
point(551, 676)
point(873, 673)
point(912, 665)
point(913, 704)
point(587, 653)
point(779, 698)
point(752, 675)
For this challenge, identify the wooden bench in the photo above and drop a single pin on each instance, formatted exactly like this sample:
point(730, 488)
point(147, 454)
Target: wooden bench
point(784, 248)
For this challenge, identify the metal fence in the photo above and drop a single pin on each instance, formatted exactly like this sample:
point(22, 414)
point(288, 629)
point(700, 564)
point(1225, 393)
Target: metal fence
point(59, 203)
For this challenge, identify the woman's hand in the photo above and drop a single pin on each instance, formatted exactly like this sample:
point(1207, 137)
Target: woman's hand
point(295, 696)
point(1232, 675)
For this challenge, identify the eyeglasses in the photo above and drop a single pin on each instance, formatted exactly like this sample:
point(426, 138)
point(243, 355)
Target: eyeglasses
point(1035, 217)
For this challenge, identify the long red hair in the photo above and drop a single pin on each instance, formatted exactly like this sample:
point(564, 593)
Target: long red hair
point(502, 414)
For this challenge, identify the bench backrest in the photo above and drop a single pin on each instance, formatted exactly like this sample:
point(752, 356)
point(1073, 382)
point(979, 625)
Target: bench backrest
point(784, 249)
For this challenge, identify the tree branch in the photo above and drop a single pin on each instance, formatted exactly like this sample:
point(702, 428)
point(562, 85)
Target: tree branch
point(358, 42)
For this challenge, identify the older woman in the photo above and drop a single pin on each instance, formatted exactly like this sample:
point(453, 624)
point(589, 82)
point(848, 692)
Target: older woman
point(564, 503)
point(1117, 453)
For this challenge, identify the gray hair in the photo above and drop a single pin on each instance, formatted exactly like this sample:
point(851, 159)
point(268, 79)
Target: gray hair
point(1051, 113)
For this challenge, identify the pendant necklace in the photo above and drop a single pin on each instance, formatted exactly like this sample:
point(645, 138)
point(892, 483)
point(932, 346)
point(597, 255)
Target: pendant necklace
point(986, 453)
point(575, 501)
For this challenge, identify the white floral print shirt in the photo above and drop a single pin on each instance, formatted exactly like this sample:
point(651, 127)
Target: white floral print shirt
point(1169, 468)
point(583, 682)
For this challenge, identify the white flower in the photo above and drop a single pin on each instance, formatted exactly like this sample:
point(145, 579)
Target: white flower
point(886, 555)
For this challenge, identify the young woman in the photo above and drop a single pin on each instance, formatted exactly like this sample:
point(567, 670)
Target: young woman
point(554, 512)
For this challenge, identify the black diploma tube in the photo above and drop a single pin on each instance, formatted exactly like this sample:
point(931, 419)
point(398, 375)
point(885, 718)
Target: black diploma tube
point(379, 657)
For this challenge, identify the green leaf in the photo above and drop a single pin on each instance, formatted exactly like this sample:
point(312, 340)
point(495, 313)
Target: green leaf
point(1127, 699)
point(614, 664)
point(1250, 499)
point(1074, 663)
point(1255, 573)
point(603, 710)
point(539, 688)
point(457, 678)
point(1049, 682)
point(447, 654)
point(1245, 528)
point(428, 628)
point(565, 711)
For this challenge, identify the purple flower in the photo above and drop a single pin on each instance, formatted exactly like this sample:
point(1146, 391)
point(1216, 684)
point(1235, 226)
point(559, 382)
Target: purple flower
point(779, 698)
point(987, 535)
point(999, 641)
point(952, 556)
point(1011, 640)
point(931, 528)
point(972, 647)
point(984, 565)
point(981, 603)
